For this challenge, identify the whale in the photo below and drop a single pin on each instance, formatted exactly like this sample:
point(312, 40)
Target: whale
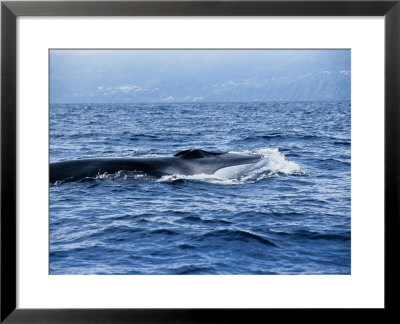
point(187, 162)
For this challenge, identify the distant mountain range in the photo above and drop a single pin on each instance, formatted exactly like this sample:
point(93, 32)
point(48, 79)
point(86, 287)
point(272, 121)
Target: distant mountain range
point(124, 76)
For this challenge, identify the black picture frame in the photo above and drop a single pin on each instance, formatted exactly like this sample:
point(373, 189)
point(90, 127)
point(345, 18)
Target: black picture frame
point(10, 10)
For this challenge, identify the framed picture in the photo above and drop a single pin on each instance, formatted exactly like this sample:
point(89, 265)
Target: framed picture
point(189, 161)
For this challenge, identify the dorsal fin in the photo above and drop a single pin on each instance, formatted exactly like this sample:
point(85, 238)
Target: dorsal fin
point(195, 154)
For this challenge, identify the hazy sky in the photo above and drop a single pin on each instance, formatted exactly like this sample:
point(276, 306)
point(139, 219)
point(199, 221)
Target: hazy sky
point(121, 76)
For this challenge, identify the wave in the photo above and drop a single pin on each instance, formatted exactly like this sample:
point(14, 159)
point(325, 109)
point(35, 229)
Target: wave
point(315, 235)
point(277, 136)
point(237, 235)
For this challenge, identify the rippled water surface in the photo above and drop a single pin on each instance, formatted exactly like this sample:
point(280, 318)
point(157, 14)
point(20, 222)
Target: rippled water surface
point(287, 214)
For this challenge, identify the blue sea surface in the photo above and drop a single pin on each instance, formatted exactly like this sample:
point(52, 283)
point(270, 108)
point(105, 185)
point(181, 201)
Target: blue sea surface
point(288, 214)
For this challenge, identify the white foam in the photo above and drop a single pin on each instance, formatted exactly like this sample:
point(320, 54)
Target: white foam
point(122, 175)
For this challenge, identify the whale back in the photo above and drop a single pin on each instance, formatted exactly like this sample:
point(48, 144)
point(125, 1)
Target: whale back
point(195, 154)
point(188, 162)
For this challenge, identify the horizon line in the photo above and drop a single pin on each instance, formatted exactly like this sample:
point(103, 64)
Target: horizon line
point(200, 101)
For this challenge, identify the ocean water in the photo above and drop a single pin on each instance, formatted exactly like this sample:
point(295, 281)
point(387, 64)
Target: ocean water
point(287, 214)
